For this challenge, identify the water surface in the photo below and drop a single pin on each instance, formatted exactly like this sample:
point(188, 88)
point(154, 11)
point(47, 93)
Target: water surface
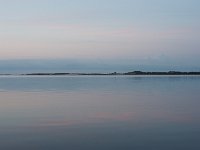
point(99, 112)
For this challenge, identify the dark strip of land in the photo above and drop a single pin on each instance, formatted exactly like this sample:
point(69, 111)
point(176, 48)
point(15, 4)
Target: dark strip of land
point(162, 73)
point(115, 73)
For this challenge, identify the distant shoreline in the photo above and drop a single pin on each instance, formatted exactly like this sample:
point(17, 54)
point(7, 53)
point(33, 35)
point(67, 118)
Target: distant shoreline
point(109, 74)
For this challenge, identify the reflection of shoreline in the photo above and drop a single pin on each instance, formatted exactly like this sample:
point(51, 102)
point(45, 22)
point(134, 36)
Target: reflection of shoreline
point(114, 73)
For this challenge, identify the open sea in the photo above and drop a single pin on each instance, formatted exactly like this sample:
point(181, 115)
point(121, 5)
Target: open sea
point(99, 112)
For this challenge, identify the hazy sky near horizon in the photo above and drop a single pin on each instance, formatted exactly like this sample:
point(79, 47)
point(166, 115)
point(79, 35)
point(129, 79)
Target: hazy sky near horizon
point(167, 31)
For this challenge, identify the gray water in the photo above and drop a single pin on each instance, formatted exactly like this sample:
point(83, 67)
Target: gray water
point(100, 113)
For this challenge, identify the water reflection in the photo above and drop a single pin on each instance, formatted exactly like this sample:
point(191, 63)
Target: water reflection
point(100, 113)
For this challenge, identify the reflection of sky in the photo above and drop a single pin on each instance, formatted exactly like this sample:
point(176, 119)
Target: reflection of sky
point(50, 109)
point(126, 113)
point(94, 99)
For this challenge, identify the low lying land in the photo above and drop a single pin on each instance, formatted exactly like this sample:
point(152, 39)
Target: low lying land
point(162, 73)
point(113, 73)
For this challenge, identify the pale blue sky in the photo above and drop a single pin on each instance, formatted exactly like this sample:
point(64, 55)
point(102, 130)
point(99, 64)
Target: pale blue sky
point(133, 32)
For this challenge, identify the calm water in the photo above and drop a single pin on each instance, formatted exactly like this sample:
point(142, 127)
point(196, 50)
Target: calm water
point(100, 113)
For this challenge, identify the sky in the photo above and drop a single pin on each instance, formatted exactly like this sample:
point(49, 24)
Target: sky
point(122, 34)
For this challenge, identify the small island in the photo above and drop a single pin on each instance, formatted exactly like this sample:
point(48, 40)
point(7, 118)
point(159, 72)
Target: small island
point(162, 73)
